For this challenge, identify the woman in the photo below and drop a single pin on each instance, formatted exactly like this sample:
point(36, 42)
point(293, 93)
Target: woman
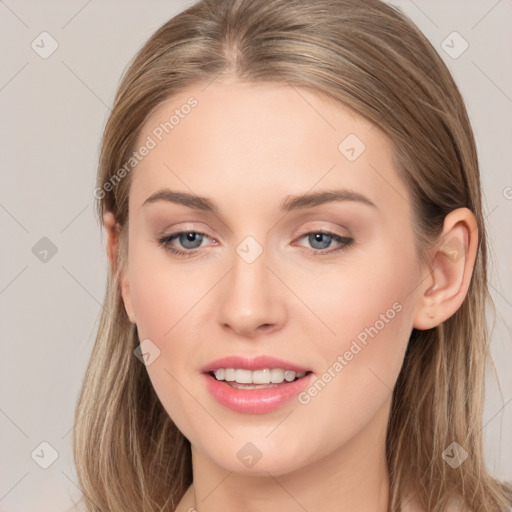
point(294, 317)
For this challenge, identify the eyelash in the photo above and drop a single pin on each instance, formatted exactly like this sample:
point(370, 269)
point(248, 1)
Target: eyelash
point(165, 242)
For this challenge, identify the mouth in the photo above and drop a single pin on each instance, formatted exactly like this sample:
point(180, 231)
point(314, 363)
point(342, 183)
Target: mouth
point(264, 378)
point(255, 384)
point(257, 391)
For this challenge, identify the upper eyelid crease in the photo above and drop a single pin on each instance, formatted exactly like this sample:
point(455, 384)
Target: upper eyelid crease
point(299, 202)
point(310, 231)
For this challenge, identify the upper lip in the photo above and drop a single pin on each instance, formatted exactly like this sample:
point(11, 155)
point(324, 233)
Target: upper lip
point(252, 363)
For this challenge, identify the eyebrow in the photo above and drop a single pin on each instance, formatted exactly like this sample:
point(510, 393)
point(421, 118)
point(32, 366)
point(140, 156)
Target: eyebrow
point(311, 199)
point(299, 202)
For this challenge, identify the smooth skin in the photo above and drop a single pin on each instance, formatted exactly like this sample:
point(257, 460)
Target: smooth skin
point(247, 148)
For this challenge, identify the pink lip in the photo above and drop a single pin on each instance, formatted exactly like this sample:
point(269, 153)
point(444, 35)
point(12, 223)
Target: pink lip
point(254, 363)
point(255, 401)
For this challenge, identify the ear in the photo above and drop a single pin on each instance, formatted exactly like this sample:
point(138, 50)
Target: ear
point(113, 228)
point(451, 266)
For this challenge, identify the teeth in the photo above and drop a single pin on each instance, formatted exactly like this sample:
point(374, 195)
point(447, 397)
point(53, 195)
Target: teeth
point(265, 376)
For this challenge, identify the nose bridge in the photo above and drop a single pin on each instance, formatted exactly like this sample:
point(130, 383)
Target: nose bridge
point(250, 299)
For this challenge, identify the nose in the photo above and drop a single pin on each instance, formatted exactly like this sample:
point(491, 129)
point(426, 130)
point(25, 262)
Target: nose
point(251, 300)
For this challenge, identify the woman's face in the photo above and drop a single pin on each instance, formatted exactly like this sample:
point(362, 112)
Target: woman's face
point(295, 242)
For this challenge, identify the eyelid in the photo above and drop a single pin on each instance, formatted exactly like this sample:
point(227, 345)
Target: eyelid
point(180, 227)
point(322, 227)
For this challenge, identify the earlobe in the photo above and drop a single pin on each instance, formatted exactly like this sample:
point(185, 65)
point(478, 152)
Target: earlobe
point(451, 266)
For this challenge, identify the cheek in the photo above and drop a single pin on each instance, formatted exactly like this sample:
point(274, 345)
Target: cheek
point(369, 307)
point(366, 312)
point(168, 300)
point(163, 302)
point(163, 292)
point(363, 294)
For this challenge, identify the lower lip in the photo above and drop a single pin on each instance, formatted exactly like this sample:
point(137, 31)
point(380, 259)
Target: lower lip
point(255, 401)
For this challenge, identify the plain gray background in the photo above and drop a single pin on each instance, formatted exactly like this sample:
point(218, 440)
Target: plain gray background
point(53, 112)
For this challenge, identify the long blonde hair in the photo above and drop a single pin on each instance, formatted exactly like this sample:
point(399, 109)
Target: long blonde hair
point(368, 56)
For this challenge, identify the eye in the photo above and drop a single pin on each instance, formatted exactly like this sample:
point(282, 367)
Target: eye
point(188, 240)
point(321, 240)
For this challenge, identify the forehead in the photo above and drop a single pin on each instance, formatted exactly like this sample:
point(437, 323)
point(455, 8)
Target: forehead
point(236, 141)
